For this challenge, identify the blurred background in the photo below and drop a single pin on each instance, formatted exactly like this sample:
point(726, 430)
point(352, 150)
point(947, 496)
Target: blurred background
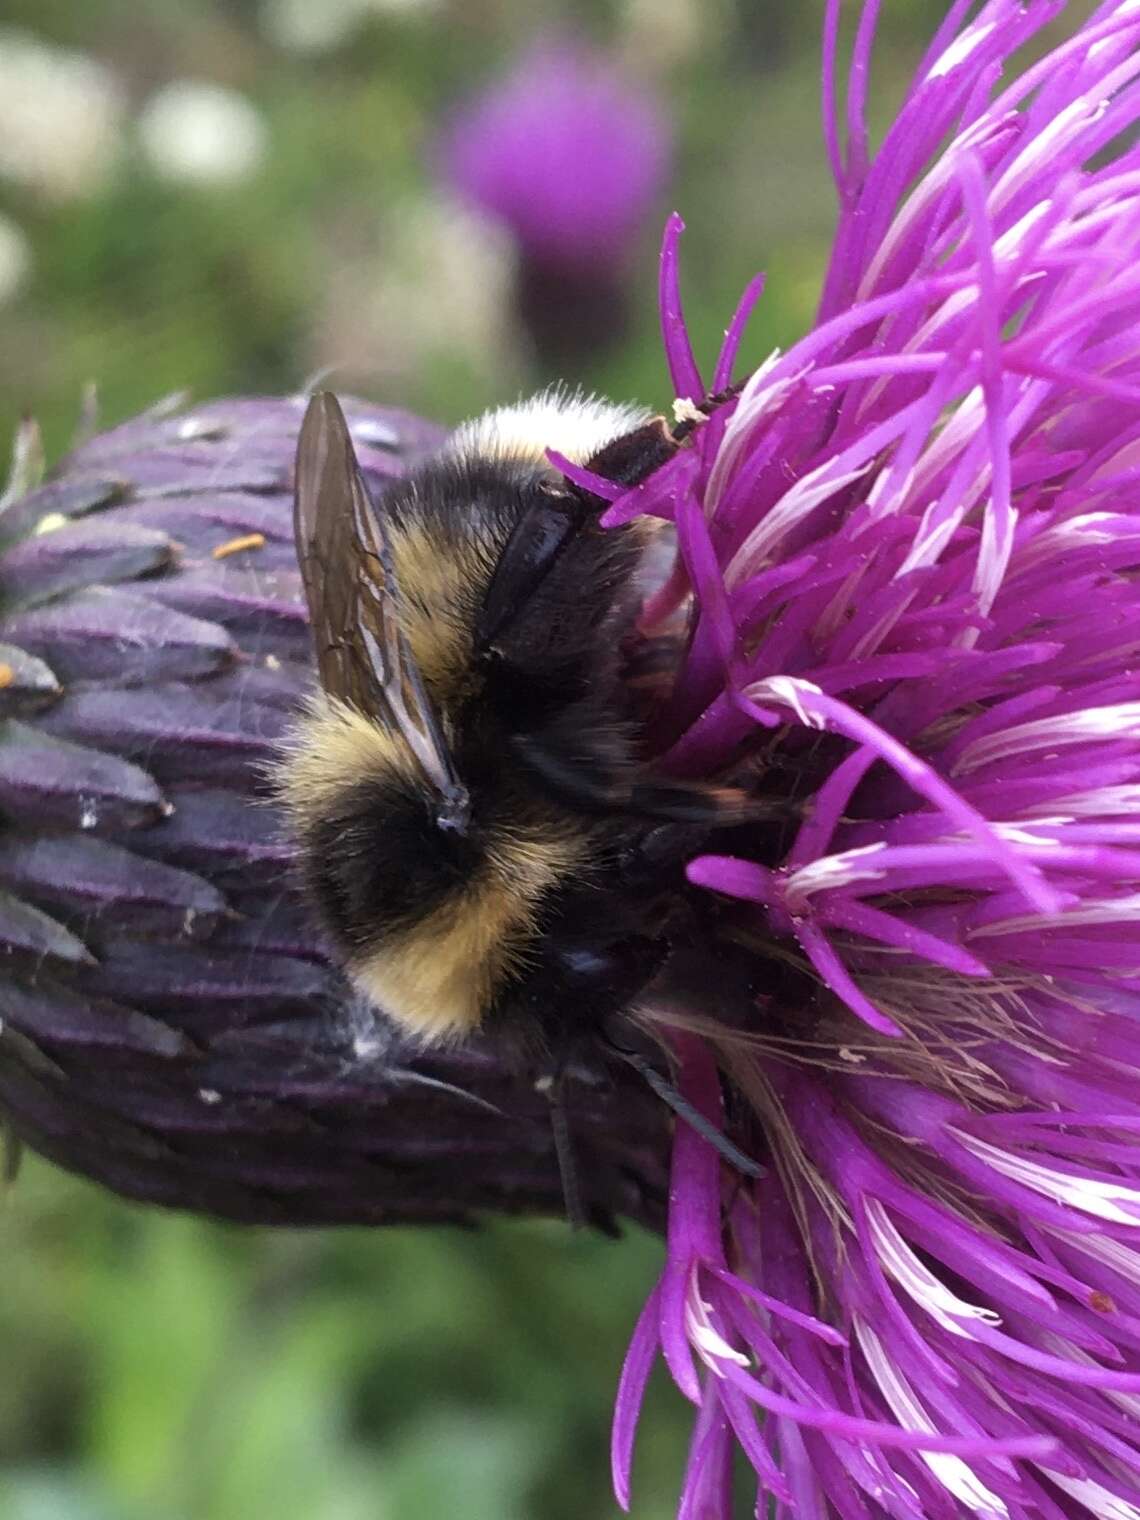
point(442, 203)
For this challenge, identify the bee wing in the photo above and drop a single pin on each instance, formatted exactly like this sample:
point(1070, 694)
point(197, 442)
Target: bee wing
point(353, 598)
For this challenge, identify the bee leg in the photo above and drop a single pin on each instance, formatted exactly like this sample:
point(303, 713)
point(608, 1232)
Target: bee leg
point(554, 1086)
point(565, 999)
point(622, 1039)
point(665, 1090)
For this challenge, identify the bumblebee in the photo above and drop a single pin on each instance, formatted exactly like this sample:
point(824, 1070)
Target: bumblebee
point(483, 843)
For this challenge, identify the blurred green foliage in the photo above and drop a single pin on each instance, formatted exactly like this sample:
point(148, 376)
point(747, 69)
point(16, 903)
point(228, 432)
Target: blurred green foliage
point(164, 1367)
point(161, 1368)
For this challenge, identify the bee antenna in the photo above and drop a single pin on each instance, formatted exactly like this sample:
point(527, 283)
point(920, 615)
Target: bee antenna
point(555, 1089)
point(691, 1116)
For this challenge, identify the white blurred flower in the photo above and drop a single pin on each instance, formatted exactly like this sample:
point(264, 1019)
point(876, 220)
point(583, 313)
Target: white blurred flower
point(318, 26)
point(437, 291)
point(60, 116)
point(15, 258)
point(659, 34)
point(200, 132)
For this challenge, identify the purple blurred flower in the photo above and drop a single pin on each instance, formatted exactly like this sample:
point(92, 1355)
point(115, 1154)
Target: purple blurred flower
point(569, 154)
point(565, 151)
point(914, 542)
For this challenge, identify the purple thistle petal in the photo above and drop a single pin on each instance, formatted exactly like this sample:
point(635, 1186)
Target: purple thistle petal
point(638, 1364)
point(816, 709)
point(857, 81)
point(918, 524)
point(683, 369)
point(658, 497)
point(874, 924)
point(699, 557)
point(708, 1482)
point(913, 1437)
point(596, 485)
point(834, 975)
point(753, 1443)
point(827, 94)
point(782, 1310)
point(726, 359)
point(694, 1218)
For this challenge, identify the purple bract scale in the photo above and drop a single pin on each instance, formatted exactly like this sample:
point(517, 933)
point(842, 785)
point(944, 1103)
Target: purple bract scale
point(913, 541)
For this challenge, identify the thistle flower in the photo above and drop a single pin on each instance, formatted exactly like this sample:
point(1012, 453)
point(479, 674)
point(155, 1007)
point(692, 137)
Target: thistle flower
point(168, 1022)
point(196, 132)
point(570, 156)
point(61, 117)
point(914, 543)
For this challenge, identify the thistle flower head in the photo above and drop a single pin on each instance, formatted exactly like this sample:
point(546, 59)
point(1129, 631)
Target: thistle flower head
point(169, 1023)
point(914, 543)
point(566, 152)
